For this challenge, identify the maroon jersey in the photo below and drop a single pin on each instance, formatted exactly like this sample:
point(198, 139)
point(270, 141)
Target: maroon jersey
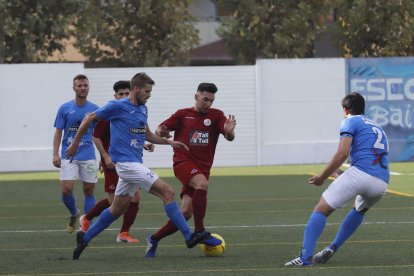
point(200, 132)
point(102, 131)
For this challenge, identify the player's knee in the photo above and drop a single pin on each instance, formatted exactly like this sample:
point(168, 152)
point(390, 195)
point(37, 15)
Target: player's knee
point(169, 194)
point(88, 191)
point(202, 185)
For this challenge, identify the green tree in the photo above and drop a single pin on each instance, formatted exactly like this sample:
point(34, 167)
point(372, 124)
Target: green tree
point(136, 32)
point(272, 29)
point(375, 28)
point(31, 30)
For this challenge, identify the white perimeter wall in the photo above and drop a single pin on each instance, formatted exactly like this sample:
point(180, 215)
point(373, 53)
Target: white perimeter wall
point(287, 111)
point(299, 109)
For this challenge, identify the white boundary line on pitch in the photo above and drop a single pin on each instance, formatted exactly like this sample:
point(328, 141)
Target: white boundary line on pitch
point(219, 227)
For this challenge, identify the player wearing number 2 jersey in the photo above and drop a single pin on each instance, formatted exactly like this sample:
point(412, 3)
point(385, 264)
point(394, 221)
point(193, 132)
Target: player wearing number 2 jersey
point(366, 180)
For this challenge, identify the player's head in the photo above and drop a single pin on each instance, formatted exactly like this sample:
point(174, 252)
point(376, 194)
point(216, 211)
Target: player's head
point(354, 104)
point(122, 89)
point(205, 96)
point(141, 87)
point(81, 86)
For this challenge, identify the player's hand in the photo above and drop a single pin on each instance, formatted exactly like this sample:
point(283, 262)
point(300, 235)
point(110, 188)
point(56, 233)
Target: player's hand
point(163, 131)
point(100, 168)
point(178, 145)
point(71, 151)
point(108, 162)
point(149, 147)
point(230, 124)
point(337, 173)
point(56, 160)
point(316, 180)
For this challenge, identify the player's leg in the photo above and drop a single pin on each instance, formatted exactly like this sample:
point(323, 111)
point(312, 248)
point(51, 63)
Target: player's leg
point(87, 173)
point(169, 228)
point(371, 190)
point(110, 181)
point(129, 219)
point(200, 185)
point(68, 176)
point(335, 196)
point(314, 228)
point(123, 194)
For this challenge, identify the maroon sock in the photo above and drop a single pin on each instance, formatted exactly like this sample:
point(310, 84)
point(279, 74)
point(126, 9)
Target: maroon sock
point(129, 216)
point(98, 209)
point(199, 208)
point(166, 230)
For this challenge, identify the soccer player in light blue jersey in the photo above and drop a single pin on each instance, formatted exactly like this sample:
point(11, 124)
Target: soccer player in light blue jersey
point(129, 131)
point(83, 164)
point(366, 180)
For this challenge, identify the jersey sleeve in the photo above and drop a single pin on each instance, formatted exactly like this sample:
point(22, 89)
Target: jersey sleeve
point(60, 121)
point(347, 128)
point(221, 121)
point(173, 122)
point(99, 129)
point(107, 111)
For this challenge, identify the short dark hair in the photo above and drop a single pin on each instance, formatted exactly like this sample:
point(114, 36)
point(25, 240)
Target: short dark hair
point(140, 80)
point(207, 87)
point(355, 103)
point(80, 77)
point(122, 84)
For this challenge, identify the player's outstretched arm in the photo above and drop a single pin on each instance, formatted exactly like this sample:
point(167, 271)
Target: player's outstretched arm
point(336, 162)
point(153, 138)
point(73, 148)
point(229, 127)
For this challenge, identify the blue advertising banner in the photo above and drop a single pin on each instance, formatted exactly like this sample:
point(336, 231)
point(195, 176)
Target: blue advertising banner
point(387, 85)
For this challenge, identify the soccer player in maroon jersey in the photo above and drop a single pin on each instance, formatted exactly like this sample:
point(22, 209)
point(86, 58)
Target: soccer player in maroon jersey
point(101, 137)
point(199, 127)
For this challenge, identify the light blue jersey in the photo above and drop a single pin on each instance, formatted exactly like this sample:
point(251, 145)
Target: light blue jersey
point(128, 129)
point(69, 118)
point(369, 148)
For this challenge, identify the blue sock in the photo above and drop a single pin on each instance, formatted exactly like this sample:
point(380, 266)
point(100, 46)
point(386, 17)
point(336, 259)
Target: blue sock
point(350, 223)
point(103, 222)
point(175, 214)
point(69, 201)
point(313, 230)
point(90, 202)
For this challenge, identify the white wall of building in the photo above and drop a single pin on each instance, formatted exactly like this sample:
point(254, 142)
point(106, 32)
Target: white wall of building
point(287, 111)
point(299, 109)
point(30, 95)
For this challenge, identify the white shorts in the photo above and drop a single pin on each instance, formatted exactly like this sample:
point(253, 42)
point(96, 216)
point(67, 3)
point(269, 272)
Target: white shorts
point(83, 170)
point(354, 183)
point(133, 175)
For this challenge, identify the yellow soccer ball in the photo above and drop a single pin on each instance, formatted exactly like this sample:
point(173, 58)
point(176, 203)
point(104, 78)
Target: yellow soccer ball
point(214, 251)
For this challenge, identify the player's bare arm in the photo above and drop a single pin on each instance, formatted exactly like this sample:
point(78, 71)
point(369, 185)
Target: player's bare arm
point(73, 148)
point(56, 143)
point(337, 160)
point(229, 127)
point(163, 131)
point(107, 159)
point(153, 138)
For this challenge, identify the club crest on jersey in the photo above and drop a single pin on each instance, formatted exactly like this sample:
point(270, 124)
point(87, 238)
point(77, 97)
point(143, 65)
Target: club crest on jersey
point(199, 138)
point(207, 122)
point(193, 171)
